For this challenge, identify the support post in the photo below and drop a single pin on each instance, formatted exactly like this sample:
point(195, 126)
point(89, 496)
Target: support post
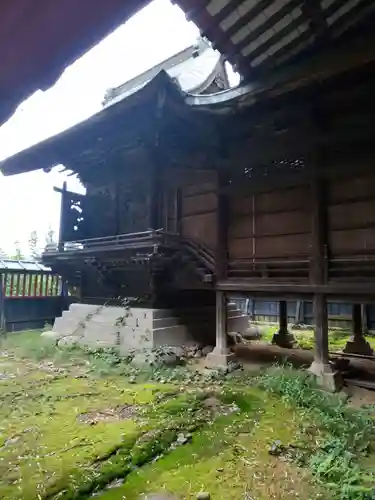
point(365, 319)
point(221, 250)
point(221, 355)
point(321, 366)
point(2, 305)
point(357, 344)
point(283, 338)
point(62, 217)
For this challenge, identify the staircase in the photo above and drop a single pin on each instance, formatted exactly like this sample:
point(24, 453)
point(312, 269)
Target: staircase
point(196, 257)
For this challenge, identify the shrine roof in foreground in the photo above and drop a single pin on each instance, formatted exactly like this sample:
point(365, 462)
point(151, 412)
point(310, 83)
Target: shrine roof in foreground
point(40, 39)
point(260, 36)
point(141, 112)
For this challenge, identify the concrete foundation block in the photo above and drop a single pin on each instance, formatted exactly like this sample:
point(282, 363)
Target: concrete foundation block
point(125, 328)
point(284, 339)
point(326, 376)
point(237, 323)
point(358, 345)
point(219, 358)
point(175, 336)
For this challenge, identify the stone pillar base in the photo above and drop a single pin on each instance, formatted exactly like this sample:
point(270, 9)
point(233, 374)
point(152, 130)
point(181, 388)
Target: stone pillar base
point(219, 358)
point(284, 339)
point(358, 345)
point(326, 376)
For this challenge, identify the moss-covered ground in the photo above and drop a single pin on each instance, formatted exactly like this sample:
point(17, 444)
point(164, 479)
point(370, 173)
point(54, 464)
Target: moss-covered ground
point(305, 337)
point(78, 425)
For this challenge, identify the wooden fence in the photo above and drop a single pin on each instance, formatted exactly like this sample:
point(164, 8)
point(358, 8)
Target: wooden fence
point(30, 295)
point(301, 312)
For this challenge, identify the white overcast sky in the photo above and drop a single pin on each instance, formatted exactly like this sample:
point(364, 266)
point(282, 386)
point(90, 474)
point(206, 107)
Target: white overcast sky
point(27, 201)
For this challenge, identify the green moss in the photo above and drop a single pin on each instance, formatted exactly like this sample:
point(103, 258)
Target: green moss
point(337, 338)
point(48, 451)
point(228, 458)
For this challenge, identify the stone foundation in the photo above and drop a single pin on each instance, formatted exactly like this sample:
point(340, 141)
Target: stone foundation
point(219, 358)
point(358, 345)
point(327, 376)
point(139, 328)
point(110, 326)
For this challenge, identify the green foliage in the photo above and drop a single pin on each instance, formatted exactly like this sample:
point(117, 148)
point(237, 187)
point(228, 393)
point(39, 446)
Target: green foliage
point(33, 245)
point(17, 255)
point(349, 433)
point(226, 443)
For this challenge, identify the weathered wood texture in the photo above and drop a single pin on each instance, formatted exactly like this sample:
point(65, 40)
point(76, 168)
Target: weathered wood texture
point(199, 208)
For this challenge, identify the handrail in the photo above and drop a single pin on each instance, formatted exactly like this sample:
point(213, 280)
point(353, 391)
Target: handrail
point(133, 240)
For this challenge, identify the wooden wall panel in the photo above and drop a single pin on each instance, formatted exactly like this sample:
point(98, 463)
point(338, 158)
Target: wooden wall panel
point(199, 208)
point(288, 199)
point(282, 223)
point(243, 248)
point(283, 246)
point(201, 227)
point(294, 198)
point(352, 242)
point(198, 204)
point(353, 188)
point(203, 187)
point(351, 216)
point(270, 247)
point(271, 225)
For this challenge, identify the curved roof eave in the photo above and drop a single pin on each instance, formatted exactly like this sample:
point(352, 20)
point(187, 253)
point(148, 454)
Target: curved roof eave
point(52, 151)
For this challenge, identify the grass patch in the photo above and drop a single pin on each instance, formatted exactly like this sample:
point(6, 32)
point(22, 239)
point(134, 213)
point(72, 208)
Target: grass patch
point(274, 437)
point(348, 435)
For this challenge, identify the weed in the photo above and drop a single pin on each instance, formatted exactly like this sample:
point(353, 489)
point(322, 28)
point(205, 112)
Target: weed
point(348, 433)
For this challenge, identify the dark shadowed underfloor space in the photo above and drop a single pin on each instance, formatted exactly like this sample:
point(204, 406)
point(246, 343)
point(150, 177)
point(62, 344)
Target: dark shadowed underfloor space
point(79, 424)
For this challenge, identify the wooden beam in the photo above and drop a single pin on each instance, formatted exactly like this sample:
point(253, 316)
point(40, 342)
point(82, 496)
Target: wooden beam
point(313, 11)
point(222, 222)
point(262, 28)
point(343, 290)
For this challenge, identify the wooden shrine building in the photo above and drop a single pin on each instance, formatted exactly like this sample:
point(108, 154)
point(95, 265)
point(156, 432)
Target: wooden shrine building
point(266, 189)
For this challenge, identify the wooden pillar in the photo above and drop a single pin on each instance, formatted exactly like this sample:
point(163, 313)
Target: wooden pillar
point(63, 205)
point(321, 329)
point(221, 355)
point(321, 366)
point(318, 269)
point(283, 316)
point(282, 337)
point(365, 319)
point(221, 322)
point(357, 344)
point(222, 222)
point(2, 304)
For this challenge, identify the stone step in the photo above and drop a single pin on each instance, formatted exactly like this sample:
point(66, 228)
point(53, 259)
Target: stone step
point(171, 335)
point(67, 326)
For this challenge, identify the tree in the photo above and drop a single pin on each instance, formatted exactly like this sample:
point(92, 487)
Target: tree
point(17, 251)
point(3, 255)
point(50, 237)
point(33, 245)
